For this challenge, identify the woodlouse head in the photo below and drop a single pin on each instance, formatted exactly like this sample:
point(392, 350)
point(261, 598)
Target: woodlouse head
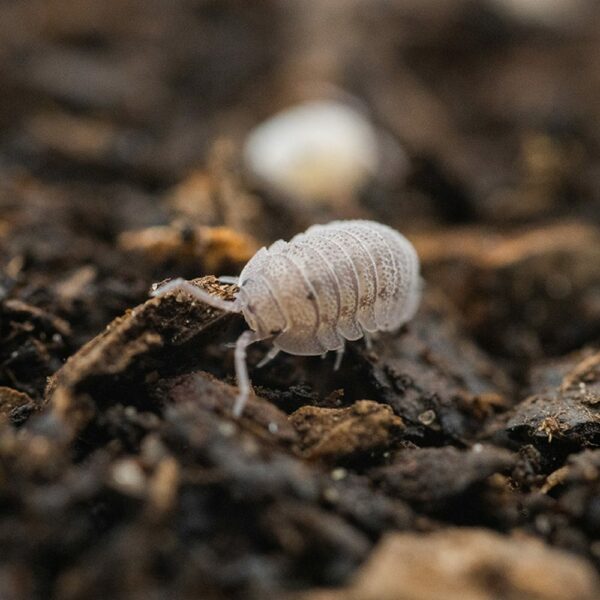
point(260, 308)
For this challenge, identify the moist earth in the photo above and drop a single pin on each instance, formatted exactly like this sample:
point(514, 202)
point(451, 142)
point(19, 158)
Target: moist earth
point(458, 456)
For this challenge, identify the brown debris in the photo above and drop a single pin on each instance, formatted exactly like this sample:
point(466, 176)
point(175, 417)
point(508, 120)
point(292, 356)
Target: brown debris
point(122, 471)
point(311, 533)
point(15, 405)
point(467, 564)
point(32, 343)
point(555, 478)
point(164, 487)
point(328, 433)
point(515, 288)
point(216, 196)
point(568, 413)
point(587, 371)
point(79, 139)
point(431, 477)
point(207, 249)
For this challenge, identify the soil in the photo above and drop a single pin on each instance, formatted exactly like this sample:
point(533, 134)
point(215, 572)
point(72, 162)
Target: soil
point(458, 457)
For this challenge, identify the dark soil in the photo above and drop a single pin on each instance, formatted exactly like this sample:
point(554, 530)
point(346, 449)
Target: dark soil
point(471, 435)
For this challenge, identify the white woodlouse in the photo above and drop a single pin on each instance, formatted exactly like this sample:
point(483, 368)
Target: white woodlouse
point(332, 283)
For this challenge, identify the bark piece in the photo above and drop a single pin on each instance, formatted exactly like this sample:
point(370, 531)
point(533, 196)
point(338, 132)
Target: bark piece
point(569, 412)
point(150, 340)
point(434, 377)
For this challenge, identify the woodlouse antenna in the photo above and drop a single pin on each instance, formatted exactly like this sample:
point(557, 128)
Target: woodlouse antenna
point(181, 285)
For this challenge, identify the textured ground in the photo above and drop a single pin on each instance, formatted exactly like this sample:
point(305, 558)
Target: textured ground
point(459, 458)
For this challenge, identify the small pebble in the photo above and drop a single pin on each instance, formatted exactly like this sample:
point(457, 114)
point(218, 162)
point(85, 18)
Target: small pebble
point(427, 417)
point(339, 474)
point(128, 477)
point(227, 429)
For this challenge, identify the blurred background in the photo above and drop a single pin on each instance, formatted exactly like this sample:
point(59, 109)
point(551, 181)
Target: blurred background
point(146, 139)
point(120, 115)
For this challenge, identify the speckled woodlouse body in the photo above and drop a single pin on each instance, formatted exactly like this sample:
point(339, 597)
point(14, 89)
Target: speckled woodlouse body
point(333, 283)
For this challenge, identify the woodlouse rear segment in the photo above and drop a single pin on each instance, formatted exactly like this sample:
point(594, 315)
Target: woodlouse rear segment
point(334, 282)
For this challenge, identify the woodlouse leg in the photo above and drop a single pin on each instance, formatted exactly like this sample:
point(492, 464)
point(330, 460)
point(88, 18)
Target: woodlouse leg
point(181, 285)
point(339, 354)
point(268, 357)
point(241, 370)
point(368, 341)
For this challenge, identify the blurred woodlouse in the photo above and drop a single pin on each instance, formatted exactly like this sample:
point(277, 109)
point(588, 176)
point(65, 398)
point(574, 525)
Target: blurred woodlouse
point(332, 283)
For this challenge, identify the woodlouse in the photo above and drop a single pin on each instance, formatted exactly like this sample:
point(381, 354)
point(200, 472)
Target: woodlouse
point(333, 283)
